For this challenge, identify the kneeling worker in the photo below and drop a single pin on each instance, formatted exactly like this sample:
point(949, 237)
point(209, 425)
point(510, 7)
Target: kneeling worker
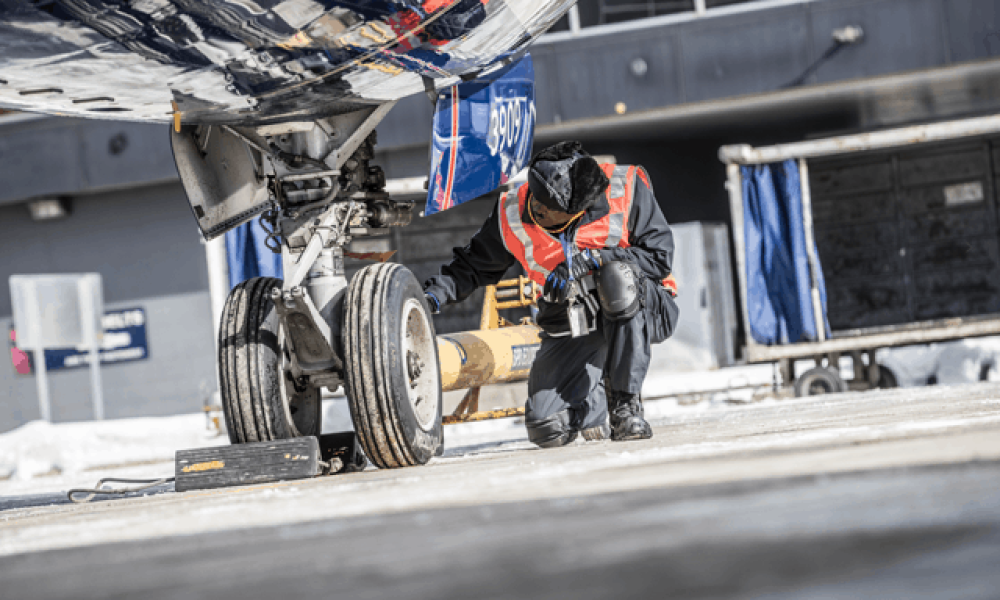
point(574, 222)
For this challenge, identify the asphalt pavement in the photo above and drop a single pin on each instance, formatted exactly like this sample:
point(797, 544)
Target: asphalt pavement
point(892, 494)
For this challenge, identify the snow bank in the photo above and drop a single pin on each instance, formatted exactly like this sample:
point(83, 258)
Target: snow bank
point(735, 381)
point(964, 361)
point(42, 448)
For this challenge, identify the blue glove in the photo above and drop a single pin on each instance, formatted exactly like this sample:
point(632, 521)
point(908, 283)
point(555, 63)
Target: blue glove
point(557, 284)
point(433, 303)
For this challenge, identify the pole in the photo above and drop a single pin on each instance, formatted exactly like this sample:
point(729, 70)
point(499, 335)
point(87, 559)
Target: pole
point(862, 142)
point(42, 383)
point(87, 293)
point(734, 185)
point(217, 260)
point(574, 20)
point(699, 7)
point(807, 225)
point(218, 279)
point(41, 375)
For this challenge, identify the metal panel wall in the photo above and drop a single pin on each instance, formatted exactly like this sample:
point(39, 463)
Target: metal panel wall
point(758, 52)
point(909, 235)
point(146, 246)
point(177, 378)
point(594, 75)
point(49, 156)
point(899, 36)
point(719, 56)
point(426, 244)
point(972, 31)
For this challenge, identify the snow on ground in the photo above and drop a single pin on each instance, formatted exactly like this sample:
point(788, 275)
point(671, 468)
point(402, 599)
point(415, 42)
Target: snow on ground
point(490, 462)
point(41, 456)
point(731, 380)
point(44, 457)
point(962, 361)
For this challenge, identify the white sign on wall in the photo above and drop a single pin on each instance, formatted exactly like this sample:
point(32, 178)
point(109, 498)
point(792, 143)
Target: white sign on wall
point(55, 311)
point(47, 309)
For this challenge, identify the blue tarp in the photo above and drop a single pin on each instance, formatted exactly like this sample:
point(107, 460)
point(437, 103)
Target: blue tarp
point(247, 254)
point(779, 302)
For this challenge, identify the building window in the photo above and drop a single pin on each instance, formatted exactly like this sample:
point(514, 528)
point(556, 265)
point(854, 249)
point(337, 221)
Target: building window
point(614, 11)
point(602, 12)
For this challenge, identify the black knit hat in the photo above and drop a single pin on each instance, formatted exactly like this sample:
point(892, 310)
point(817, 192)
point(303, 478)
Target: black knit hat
point(564, 177)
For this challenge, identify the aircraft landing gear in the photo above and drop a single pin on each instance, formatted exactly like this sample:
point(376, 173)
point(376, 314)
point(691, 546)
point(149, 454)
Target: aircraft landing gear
point(281, 341)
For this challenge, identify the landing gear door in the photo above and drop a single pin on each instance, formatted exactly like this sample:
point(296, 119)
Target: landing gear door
point(483, 130)
point(223, 176)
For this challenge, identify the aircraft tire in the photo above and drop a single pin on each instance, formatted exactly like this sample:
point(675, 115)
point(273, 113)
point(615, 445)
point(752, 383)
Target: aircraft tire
point(260, 403)
point(392, 375)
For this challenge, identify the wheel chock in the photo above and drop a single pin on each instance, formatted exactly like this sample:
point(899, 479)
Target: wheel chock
point(246, 464)
point(267, 462)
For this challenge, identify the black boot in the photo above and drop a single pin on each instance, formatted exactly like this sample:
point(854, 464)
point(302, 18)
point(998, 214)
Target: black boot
point(627, 422)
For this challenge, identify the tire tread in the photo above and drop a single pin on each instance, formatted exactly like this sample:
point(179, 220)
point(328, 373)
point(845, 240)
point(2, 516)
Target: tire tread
point(369, 368)
point(248, 376)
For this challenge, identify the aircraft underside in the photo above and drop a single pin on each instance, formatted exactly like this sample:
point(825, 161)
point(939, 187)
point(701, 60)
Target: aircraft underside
point(273, 107)
point(240, 61)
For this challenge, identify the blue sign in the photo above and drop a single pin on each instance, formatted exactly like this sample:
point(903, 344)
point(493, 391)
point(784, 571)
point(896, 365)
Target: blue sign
point(124, 341)
point(483, 132)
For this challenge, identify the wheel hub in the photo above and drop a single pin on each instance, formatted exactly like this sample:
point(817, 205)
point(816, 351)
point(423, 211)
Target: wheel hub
point(414, 367)
point(420, 346)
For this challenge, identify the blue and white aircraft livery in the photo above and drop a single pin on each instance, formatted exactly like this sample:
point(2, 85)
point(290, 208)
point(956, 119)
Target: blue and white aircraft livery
point(482, 136)
point(260, 62)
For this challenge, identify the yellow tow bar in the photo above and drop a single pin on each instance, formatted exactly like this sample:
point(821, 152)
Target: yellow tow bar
point(499, 352)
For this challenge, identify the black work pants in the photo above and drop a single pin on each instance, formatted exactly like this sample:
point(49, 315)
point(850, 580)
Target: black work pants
point(569, 374)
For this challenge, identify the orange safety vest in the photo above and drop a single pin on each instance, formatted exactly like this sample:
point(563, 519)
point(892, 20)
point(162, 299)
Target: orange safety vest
point(539, 252)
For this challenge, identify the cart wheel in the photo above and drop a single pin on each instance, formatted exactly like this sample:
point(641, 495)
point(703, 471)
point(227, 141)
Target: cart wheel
point(886, 378)
point(393, 380)
point(260, 404)
point(819, 380)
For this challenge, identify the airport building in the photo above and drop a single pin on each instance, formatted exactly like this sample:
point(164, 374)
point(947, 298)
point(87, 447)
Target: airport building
point(664, 84)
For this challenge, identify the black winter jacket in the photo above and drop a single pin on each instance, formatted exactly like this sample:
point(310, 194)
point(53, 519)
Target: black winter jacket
point(485, 259)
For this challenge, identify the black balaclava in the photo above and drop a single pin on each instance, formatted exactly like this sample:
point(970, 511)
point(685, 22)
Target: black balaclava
point(564, 177)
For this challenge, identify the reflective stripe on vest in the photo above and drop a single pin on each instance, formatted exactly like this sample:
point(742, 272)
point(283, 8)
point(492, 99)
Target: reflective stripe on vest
point(539, 252)
point(511, 221)
point(619, 180)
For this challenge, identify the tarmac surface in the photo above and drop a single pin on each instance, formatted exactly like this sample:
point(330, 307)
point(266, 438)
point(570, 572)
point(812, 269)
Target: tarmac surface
point(890, 494)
